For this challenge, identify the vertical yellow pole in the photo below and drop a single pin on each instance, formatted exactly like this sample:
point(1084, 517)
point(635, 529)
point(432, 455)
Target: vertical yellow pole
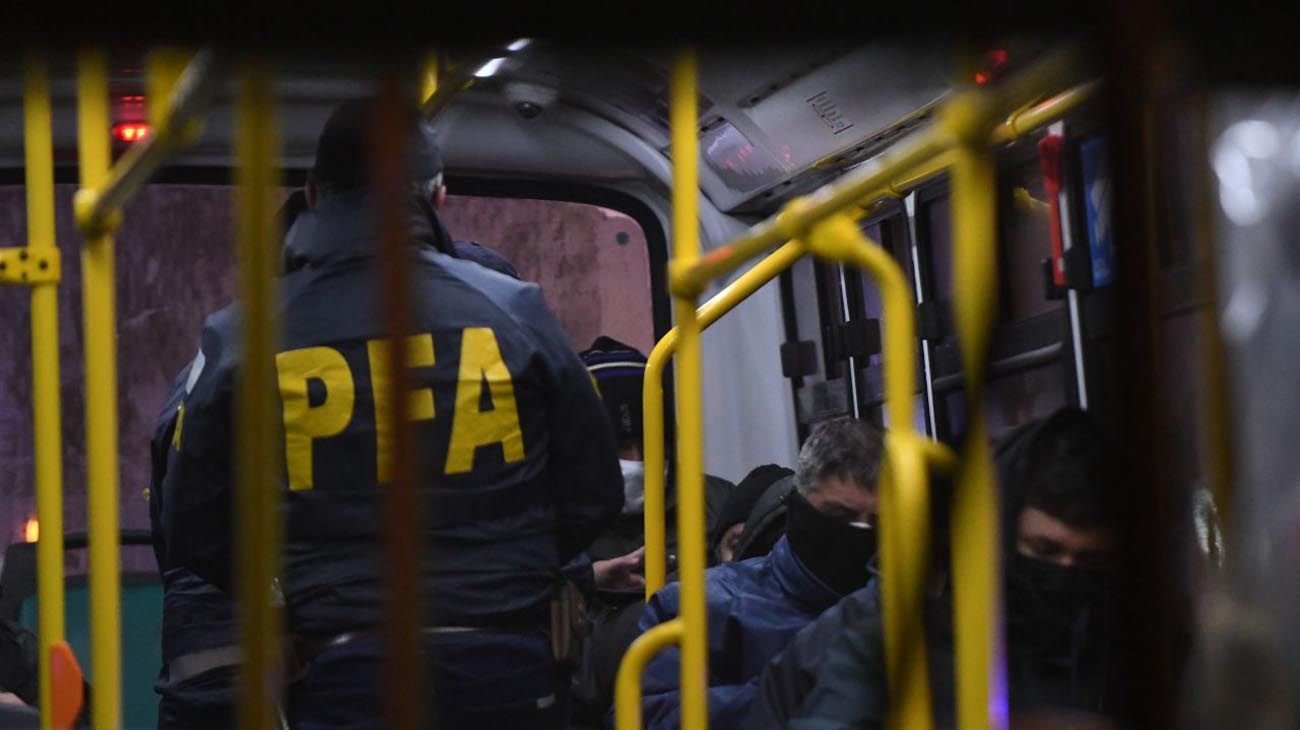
point(690, 434)
point(652, 408)
point(46, 407)
point(976, 551)
point(429, 80)
point(258, 523)
point(100, 325)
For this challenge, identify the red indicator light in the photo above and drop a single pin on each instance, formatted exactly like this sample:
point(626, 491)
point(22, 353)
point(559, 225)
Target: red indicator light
point(981, 78)
point(130, 132)
point(997, 57)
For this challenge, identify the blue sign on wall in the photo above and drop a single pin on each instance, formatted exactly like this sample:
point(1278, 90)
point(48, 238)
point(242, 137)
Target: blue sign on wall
point(1097, 192)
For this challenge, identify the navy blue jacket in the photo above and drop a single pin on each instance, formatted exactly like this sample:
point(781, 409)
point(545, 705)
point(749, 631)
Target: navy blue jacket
point(196, 614)
point(755, 607)
point(792, 674)
point(517, 477)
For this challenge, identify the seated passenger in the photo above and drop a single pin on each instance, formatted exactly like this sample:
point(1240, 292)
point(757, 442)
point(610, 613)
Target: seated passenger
point(766, 522)
point(725, 537)
point(756, 606)
point(614, 583)
point(619, 373)
point(1059, 543)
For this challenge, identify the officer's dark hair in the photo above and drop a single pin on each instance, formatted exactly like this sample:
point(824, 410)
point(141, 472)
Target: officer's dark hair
point(841, 447)
point(344, 149)
point(1070, 473)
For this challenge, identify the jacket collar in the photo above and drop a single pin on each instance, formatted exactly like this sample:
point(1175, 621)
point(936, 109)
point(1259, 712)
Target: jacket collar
point(797, 581)
point(343, 227)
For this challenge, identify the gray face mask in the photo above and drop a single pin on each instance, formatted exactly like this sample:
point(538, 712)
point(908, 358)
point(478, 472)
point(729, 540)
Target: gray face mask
point(633, 486)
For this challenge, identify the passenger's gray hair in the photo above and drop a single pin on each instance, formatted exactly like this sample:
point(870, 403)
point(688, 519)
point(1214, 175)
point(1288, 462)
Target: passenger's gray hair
point(842, 447)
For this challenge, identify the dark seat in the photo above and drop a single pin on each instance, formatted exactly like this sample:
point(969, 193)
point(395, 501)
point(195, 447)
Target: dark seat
point(141, 601)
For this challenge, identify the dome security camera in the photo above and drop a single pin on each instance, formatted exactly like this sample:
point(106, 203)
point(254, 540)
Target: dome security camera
point(530, 99)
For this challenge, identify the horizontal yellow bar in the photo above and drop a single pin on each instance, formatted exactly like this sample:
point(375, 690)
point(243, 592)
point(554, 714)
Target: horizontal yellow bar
point(1024, 121)
point(799, 214)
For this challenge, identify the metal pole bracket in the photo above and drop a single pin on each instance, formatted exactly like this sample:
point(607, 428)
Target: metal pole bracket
point(27, 266)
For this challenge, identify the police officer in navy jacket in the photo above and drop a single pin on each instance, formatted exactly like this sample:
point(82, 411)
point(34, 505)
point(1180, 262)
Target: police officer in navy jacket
point(517, 460)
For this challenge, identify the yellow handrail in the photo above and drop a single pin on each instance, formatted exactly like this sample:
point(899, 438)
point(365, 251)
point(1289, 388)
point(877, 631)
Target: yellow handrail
point(1018, 124)
point(259, 523)
point(98, 205)
point(959, 139)
point(981, 680)
point(652, 404)
point(627, 690)
point(905, 496)
point(795, 218)
point(100, 327)
point(1021, 122)
point(46, 405)
point(684, 117)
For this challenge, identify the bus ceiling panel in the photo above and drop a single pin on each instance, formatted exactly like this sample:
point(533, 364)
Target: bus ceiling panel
point(850, 101)
point(768, 114)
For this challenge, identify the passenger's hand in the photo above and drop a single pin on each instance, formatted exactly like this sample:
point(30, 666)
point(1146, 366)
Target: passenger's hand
point(618, 574)
point(9, 698)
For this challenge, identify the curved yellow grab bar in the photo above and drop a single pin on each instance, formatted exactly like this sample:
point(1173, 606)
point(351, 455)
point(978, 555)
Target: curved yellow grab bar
point(652, 403)
point(905, 497)
point(627, 688)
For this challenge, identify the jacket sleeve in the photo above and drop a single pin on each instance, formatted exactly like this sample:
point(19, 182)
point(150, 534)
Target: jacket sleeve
point(583, 455)
point(159, 451)
point(582, 573)
point(791, 675)
point(852, 690)
point(728, 700)
point(197, 489)
point(781, 687)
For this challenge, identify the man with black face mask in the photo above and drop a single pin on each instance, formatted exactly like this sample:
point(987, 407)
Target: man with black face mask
point(1059, 523)
point(757, 605)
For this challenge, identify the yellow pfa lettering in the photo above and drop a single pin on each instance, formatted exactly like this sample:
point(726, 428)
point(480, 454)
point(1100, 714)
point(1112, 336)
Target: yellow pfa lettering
point(471, 426)
point(180, 421)
point(304, 422)
point(419, 403)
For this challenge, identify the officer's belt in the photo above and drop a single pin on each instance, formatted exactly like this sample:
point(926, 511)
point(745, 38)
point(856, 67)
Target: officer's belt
point(195, 663)
point(306, 650)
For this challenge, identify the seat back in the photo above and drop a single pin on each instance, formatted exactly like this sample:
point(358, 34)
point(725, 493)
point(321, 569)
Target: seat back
point(141, 606)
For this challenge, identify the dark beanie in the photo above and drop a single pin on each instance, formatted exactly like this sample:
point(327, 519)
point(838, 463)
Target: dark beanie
point(619, 372)
point(343, 151)
point(742, 499)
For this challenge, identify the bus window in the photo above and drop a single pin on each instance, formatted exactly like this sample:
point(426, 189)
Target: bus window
point(591, 262)
point(1012, 400)
point(1026, 241)
point(935, 225)
point(176, 265)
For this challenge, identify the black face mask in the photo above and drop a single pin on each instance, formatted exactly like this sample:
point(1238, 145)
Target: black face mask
point(1051, 607)
point(836, 552)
